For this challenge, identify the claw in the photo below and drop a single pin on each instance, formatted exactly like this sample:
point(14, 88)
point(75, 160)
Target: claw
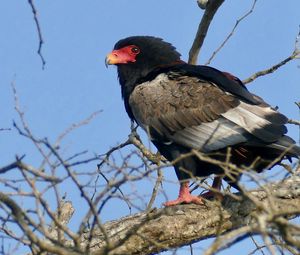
point(214, 194)
point(185, 200)
point(185, 197)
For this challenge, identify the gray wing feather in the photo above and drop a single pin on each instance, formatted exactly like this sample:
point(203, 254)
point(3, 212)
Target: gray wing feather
point(198, 114)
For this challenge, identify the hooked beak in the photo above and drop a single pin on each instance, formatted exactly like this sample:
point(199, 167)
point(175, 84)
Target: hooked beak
point(110, 59)
point(117, 57)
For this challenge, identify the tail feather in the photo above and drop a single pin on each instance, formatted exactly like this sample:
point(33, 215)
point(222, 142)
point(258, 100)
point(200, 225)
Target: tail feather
point(288, 145)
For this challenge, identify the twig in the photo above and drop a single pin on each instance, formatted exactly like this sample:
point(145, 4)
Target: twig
point(258, 247)
point(295, 122)
point(38, 27)
point(116, 188)
point(210, 11)
point(154, 158)
point(298, 104)
point(202, 4)
point(77, 125)
point(107, 154)
point(22, 221)
point(155, 189)
point(231, 33)
point(228, 240)
point(11, 166)
point(294, 55)
point(271, 69)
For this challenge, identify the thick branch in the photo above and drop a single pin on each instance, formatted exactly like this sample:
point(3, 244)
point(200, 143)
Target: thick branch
point(161, 229)
point(210, 11)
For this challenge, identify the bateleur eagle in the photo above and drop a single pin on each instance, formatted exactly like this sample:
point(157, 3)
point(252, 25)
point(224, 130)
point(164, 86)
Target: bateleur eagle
point(184, 107)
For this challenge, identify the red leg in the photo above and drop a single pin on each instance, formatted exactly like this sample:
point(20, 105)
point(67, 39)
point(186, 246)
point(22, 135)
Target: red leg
point(215, 186)
point(185, 197)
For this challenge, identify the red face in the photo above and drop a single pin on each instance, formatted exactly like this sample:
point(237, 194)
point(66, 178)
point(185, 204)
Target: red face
point(124, 55)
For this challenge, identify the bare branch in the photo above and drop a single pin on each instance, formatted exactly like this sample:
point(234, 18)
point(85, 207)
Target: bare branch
point(231, 33)
point(271, 69)
point(161, 229)
point(38, 27)
point(21, 218)
point(294, 55)
point(11, 166)
point(77, 125)
point(211, 9)
point(295, 122)
point(202, 3)
point(155, 189)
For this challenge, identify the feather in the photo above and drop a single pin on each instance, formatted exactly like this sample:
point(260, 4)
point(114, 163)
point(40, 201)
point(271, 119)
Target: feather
point(184, 107)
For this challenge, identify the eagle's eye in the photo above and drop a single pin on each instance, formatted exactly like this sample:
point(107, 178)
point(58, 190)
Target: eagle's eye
point(135, 50)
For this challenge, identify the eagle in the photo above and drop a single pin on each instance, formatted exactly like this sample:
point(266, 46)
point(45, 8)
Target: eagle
point(185, 108)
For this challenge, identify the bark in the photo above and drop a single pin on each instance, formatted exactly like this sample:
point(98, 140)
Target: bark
point(167, 228)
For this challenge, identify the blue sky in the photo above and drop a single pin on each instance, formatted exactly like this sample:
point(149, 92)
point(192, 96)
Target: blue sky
point(75, 82)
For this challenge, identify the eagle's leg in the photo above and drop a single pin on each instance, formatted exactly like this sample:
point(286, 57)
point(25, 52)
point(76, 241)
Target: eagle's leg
point(214, 193)
point(185, 196)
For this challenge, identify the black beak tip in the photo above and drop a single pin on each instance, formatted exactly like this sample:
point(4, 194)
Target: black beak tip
point(106, 62)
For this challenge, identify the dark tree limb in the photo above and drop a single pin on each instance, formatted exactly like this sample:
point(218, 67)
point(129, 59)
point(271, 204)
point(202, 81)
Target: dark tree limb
point(210, 10)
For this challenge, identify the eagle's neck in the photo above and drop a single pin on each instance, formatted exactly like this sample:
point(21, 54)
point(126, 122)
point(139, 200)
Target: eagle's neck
point(131, 75)
point(129, 78)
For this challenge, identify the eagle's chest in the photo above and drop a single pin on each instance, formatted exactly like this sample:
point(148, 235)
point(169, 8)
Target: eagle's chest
point(151, 99)
point(164, 96)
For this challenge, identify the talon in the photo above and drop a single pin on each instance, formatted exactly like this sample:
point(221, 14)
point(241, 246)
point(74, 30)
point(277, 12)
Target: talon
point(185, 197)
point(214, 194)
point(185, 200)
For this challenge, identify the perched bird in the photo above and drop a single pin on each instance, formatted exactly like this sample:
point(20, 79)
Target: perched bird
point(186, 107)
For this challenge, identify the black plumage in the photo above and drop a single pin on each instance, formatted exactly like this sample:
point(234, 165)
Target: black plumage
point(184, 107)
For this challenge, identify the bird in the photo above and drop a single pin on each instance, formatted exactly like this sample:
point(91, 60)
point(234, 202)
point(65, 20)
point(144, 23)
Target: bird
point(188, 108)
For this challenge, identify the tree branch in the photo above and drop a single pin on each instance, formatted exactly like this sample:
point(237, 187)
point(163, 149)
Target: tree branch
point(22, 221)
point(211, 9)
point(161, 229)
point(231, 33)
point(271, 69)
point(39, 30)
point(294, 55)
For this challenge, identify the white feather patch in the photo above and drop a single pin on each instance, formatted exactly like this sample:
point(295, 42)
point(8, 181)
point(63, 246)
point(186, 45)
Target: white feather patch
point(210, 136)
point(244, 116)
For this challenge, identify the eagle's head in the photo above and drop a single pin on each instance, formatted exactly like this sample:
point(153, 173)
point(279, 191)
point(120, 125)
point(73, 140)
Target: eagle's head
point(137, 56)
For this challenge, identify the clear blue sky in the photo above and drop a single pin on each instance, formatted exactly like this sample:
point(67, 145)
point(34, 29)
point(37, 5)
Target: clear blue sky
point(75, 82)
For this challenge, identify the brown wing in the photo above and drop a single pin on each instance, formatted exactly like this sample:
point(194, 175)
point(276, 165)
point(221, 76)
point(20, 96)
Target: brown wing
point(198, 114)
point(178, 104)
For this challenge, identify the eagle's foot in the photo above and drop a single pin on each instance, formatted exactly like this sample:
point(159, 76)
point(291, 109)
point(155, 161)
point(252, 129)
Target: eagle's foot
point(185, 197)
point(189, 199)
